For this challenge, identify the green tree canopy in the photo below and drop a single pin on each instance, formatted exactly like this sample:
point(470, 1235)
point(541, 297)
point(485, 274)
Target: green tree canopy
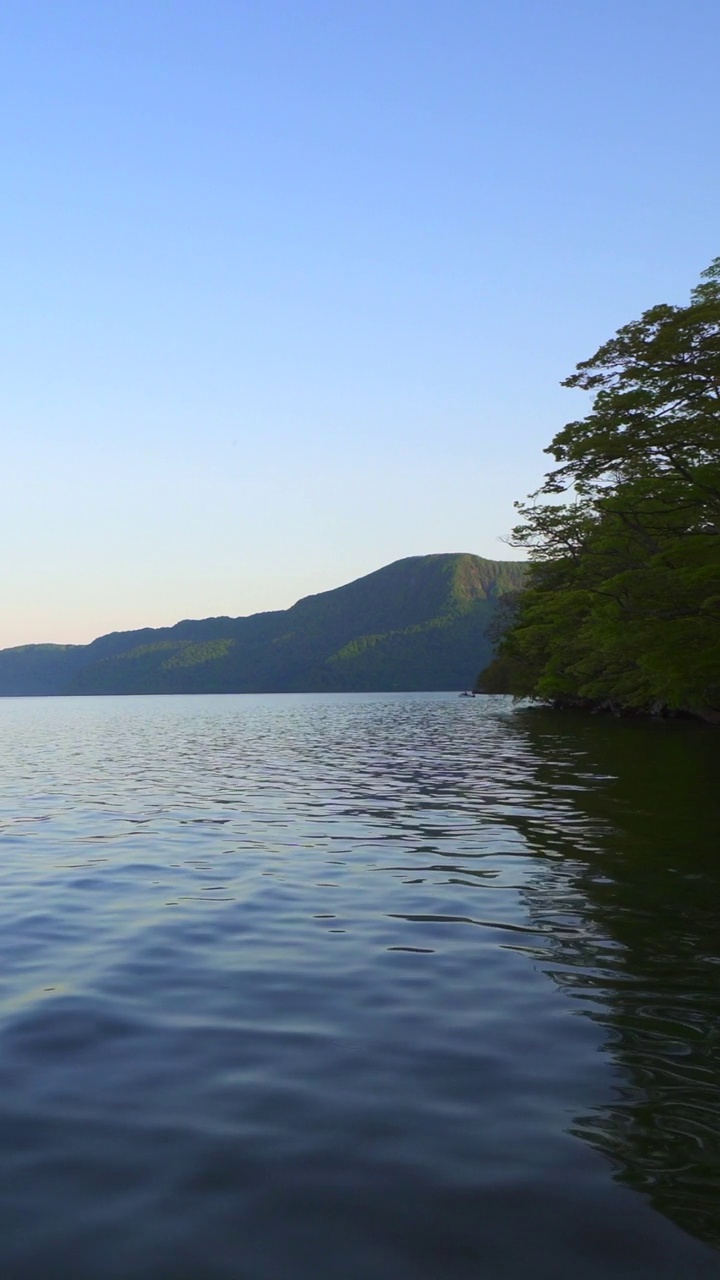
point(623, 603)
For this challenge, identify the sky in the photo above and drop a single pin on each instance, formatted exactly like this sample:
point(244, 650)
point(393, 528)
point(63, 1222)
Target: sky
point(290, 286)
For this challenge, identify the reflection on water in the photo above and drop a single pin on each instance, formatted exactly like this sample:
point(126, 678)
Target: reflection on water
point(356, 986)
point(645, 960)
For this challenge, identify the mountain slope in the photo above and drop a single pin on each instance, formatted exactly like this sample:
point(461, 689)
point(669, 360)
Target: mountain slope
point(416, 624)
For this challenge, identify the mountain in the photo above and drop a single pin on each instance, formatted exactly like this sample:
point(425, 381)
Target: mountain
point(419, 623)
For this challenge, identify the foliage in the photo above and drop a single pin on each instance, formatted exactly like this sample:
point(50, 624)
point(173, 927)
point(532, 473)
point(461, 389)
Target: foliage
point(194, 655)
point(623, 600)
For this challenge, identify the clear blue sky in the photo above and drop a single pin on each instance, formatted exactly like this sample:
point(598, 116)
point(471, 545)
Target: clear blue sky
point(290, 285)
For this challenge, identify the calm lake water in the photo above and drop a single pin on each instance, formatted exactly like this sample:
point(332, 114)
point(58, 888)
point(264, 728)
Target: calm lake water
point(356, 987)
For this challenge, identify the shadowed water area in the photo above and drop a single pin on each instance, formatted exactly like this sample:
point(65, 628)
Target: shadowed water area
point(356, 987)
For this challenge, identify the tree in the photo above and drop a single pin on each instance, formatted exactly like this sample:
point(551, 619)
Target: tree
point(623, 603)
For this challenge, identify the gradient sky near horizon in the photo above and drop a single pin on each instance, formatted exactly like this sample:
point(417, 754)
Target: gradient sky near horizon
point(290, 285)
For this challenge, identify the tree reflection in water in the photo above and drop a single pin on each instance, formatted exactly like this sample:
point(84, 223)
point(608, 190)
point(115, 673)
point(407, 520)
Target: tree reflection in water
point(628, 902)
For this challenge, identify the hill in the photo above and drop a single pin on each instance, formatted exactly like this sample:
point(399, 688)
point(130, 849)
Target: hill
point(419, 623)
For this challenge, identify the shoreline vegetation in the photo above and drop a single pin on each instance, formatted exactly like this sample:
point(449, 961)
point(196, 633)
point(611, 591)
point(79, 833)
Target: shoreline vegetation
point(621, 611)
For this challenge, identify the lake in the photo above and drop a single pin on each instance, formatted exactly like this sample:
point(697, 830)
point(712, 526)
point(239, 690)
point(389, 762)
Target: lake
point(357, 987)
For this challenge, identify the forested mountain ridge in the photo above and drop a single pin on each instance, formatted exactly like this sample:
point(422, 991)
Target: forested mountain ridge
point(419, 623)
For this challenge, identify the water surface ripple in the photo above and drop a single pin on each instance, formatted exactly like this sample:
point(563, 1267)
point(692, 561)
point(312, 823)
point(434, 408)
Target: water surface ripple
point(356, 987)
